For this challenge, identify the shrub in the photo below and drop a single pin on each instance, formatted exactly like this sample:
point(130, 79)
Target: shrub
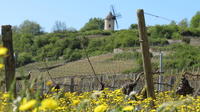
point(158, 41)
point(182, 56)
point(24, 58)
point(72, 55)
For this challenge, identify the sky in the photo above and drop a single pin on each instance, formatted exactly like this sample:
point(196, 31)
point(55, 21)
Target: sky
point(75, 13)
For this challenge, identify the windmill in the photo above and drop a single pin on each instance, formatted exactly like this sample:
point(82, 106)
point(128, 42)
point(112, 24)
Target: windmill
point(111, 20)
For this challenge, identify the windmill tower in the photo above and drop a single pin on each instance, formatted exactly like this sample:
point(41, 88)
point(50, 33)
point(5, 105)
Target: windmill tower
point(109, 22)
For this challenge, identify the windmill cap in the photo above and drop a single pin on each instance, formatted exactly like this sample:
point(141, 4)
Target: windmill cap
point(110, 16)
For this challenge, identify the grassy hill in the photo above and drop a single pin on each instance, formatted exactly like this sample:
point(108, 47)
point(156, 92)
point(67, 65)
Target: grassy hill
point(176, 56)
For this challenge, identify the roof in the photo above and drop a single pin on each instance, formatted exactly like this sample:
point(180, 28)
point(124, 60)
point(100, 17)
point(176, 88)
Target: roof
point(110, 16)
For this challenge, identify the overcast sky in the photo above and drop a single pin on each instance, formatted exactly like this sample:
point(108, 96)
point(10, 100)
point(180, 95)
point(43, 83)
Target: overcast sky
point(75, 13)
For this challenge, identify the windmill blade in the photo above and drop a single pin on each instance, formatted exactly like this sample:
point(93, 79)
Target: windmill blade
point(118, 16)
point(115, 15)
point(113, 10)
point(116, 23)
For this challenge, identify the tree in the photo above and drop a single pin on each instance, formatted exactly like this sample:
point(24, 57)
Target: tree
point(59, 26)
point(183, 23)
point(93, 24)
point(15, 29)
point(133, 26)
point(172, 23)
point(71, 29)
point(195, 21)
point(30, 27)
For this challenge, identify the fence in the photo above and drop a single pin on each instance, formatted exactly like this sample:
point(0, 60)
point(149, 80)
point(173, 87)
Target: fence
point(83, 83)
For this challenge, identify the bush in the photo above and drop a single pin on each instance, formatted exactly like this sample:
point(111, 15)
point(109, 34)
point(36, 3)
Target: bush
point(72, 55)
point(162, 31)
point(182, 56)
point(176, 35)
point(158, 41)
point(125, 38)
point(67, 53)
point(190, 32)
point(76, 55)
point(24, 58)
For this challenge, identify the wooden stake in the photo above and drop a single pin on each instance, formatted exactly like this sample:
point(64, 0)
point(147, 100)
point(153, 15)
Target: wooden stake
point(9, 60)
point(72, 85)
point(145, 54)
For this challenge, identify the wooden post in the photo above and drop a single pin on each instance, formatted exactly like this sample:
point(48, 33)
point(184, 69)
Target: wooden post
point(160, 87)
point(72, 85)
point(172, 81)
point(9, 60)
point(145, 54)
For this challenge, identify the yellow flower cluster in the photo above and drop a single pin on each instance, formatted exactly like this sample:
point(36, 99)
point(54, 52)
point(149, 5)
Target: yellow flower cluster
point(3, 52)
point(103, 101)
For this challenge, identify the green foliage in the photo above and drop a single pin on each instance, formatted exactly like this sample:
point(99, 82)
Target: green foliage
point(72, 55)
point(96, 47)
point(76, 55)
point(31, 44)
point(190, 32)
point(74, 43)
point(172, 23)
point(67, 53)
point(176, 35)
point(97, 32)
point(125, 38)
point(59, 27)
point(195, 21)
point(163, 31)
point(158, 41)
point(184, 23)
point(24, 58)
point(94, 24)
point(182, 56)
point(30, 27)
point(133, 26)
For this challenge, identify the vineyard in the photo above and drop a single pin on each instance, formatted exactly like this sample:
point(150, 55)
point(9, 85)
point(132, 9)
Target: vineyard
point(102, 71)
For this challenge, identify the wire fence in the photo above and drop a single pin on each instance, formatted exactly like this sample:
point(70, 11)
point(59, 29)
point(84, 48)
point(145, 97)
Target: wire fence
point(83, 83)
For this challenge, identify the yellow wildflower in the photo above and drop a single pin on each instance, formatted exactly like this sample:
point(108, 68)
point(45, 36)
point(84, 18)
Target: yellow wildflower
point(128, 108)
point(35, 110)
point(49, 83)
point(3, 51)
point(1, 66)
point(6, 95)
point(101, 108)
point(49, 103)
point(24, 100)
point(75, 102)
point(28, 105)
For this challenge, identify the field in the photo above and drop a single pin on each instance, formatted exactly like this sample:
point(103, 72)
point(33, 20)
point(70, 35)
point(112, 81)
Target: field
point(102, 65)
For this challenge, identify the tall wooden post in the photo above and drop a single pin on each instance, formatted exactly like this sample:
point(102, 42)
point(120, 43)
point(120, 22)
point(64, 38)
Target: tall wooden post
point(9, 60)
point(145, 54)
